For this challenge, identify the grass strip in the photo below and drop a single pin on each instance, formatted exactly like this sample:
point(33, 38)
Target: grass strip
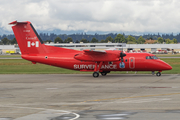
point(20, 66)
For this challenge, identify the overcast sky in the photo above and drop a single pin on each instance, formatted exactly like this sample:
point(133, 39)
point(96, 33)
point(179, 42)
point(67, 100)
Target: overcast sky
point(94, 15)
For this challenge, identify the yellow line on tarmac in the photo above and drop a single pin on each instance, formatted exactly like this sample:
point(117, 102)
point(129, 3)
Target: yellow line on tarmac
point(108, 99)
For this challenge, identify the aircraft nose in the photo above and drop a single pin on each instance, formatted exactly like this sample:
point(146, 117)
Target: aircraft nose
point(166, 66)
point(169, 67)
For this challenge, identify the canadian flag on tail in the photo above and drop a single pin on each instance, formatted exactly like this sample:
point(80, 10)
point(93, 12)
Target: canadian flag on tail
point(33, 43)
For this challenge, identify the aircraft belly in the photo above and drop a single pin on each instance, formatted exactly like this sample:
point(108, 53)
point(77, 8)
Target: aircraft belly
point(70, 63)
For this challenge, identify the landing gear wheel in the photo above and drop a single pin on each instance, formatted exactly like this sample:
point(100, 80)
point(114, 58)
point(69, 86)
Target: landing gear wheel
point(95, 74)
point(103, 73)
point(158, 74)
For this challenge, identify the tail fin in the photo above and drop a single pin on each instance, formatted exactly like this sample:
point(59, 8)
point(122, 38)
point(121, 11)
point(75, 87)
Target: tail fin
point(28, 40)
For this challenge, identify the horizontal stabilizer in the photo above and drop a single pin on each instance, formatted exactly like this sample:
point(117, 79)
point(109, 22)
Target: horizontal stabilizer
point(15, 22)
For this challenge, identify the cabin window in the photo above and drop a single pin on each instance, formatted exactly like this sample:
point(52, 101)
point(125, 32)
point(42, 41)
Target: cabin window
point(148, 57)
point(126, 60)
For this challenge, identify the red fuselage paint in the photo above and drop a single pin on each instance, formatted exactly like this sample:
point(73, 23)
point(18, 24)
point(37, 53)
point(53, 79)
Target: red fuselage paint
point(133, 62)
point(34, 50)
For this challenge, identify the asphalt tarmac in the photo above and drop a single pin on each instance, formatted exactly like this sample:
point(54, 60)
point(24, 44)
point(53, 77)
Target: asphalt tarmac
point(82, 97)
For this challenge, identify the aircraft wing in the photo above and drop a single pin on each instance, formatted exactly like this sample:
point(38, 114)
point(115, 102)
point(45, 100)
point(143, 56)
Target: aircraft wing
point(94, 52)
point(98, 56)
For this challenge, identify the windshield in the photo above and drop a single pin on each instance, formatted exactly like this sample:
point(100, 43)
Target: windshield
point(154, 57)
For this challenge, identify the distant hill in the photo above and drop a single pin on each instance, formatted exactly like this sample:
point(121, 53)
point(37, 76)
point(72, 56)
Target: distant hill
point(78, 35)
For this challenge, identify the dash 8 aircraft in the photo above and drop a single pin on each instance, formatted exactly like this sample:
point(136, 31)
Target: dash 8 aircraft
point(33, 49)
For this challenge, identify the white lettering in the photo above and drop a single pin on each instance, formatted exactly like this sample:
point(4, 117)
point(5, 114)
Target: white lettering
point(26, 31)
point(90, 66)
point(31, 38)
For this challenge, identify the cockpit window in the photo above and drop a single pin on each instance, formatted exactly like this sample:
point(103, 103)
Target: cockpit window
point(151, 57)
point(154, 57)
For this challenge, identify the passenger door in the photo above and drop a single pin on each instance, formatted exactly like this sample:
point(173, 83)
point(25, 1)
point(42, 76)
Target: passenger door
point(131, 62)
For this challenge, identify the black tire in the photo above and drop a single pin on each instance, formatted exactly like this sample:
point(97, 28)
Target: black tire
point(158, 74)
point(103, 73)
point(95, 74)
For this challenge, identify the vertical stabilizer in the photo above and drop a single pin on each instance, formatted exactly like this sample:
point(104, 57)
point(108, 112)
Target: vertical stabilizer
point(28, 40)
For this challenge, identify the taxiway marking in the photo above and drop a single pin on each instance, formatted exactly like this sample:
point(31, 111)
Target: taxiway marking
point(109, 99)
point(145, 100)
point(61, 112)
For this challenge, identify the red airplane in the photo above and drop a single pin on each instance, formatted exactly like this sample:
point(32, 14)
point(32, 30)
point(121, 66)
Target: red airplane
point(33, 49)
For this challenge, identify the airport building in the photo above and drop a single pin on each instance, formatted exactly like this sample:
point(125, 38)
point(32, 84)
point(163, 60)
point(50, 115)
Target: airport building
point(152, 48)
point(9, 49)
point(158, 48)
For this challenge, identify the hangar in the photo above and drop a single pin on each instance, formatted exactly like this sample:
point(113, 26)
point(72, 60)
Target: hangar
point(158, 48)
point(5, 49)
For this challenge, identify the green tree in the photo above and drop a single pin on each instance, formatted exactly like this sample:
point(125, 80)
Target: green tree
point(14, 41)
point(131, 40)
point(94, 40)
point(103, 41)
point(168, 41)
point(109, 39)
point(84, 40)
point(58, 39)
point(174, 40)
point(141, 40)
point(120, 39)
point(160, 40)
point(5, 41)
point(48, 41)
point(68, 40)
point(77, 41)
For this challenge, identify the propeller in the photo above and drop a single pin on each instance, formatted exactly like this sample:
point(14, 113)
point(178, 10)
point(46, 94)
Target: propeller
point(122, 55)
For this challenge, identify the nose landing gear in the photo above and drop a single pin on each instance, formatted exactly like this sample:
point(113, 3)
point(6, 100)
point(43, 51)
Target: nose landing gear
point(158, 74)
point(152, 72)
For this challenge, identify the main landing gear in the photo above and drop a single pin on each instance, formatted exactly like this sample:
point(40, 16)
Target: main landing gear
point(98, 70)
point(103, 73)
point(96, 74)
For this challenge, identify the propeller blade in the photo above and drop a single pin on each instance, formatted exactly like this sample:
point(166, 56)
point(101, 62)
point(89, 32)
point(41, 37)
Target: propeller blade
point(122, 55)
